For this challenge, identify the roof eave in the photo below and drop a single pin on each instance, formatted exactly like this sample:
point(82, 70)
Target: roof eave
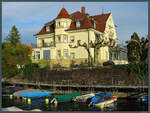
point(43, 34)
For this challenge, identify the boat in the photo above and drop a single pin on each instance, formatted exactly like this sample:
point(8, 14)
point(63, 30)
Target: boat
point(10, 90)
point(19, 92)
point(83, 98)
point(65, 97)
point(143, 99)
point(35, 94)
point(102, 99)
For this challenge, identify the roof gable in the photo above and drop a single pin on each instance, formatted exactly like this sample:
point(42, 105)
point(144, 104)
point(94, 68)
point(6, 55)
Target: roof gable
point(63, 14)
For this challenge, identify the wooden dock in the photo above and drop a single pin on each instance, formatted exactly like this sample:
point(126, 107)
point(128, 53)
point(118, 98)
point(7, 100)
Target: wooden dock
point(61, 86)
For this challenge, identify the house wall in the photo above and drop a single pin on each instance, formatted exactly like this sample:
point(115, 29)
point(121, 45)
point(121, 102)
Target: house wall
point(108, 29)
point(81, 55)
point(103, 54)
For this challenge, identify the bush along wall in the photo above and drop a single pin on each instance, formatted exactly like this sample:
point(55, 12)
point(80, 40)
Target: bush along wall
point(140, 69)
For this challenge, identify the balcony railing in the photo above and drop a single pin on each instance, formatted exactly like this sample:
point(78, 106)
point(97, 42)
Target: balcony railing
point(44, 45)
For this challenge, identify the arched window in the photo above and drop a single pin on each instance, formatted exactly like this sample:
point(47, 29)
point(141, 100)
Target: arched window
point(58, 24)
point(65, 24)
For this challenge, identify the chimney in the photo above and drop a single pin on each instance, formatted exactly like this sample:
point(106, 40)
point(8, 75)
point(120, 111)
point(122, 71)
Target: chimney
point(83, 10)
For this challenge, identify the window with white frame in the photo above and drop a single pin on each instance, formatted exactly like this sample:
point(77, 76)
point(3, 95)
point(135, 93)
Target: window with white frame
point(46, 54)
point(65, 39)
point(65, 24)
point(47, 28)
point(59, 54)
point(58, 24)
point(65, 54)
point(72, 56)
point(37, 55)
point(71, 38)
point(58, 39)
point(78, 24)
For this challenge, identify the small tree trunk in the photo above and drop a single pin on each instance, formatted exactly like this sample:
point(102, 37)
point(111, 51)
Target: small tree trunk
point(91, 59)
point(96, 56)
point(96, 51)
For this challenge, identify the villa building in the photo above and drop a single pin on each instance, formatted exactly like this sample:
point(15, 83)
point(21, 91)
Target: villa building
point(54, 38)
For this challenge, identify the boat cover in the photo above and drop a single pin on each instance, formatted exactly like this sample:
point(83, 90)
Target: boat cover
point(66, 97)
point(35, 94)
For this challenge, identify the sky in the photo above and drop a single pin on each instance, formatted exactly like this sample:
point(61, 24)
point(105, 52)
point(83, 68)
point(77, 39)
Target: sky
point(29, 17)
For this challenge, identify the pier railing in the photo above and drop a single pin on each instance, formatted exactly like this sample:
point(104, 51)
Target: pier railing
point(77, 86)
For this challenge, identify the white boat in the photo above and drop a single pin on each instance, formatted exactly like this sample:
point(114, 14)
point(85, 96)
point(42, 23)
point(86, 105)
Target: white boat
point(83, 98)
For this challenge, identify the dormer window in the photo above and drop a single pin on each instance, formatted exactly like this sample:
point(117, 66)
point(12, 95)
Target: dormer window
point(47, 28)
point(77, 24)
point(58, 24)
point(65, 24)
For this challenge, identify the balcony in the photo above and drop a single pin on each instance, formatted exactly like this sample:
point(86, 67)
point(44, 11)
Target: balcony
point(40, 45)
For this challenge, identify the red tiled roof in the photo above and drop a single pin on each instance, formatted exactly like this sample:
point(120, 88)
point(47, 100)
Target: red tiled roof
point(63, 13)
point(86, 21)
point(72, 26)
point(101, 18)
point(101, 21)
point(100, 27)
point(43, 30)
point(49, 23)
point(77, 16)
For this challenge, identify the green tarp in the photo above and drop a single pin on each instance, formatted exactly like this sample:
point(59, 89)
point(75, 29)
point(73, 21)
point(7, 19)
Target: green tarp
point(66, 97)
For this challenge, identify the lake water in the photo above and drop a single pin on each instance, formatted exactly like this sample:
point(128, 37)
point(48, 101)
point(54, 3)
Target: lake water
point(122, 104)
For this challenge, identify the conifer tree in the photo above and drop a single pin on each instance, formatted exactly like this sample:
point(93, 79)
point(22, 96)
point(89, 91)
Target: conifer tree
point(13, 36)
point(137, 48)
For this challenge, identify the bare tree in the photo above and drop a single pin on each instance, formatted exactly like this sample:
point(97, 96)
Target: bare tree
point(97, 44)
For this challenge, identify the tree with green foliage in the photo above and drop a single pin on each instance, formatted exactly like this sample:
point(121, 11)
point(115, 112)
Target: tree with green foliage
point(13, 36)
point(144, 49)
point(137, 49)
point(14, 55)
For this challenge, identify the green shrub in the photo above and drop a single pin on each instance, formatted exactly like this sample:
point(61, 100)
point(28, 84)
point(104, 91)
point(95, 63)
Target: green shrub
point(30, 70)
point(57, 66)
point(108, 63)
point(141, 69)
point(44, 63)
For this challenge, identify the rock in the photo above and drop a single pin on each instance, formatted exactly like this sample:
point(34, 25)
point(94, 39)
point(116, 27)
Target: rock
point(35, 110)
point(11, 109)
